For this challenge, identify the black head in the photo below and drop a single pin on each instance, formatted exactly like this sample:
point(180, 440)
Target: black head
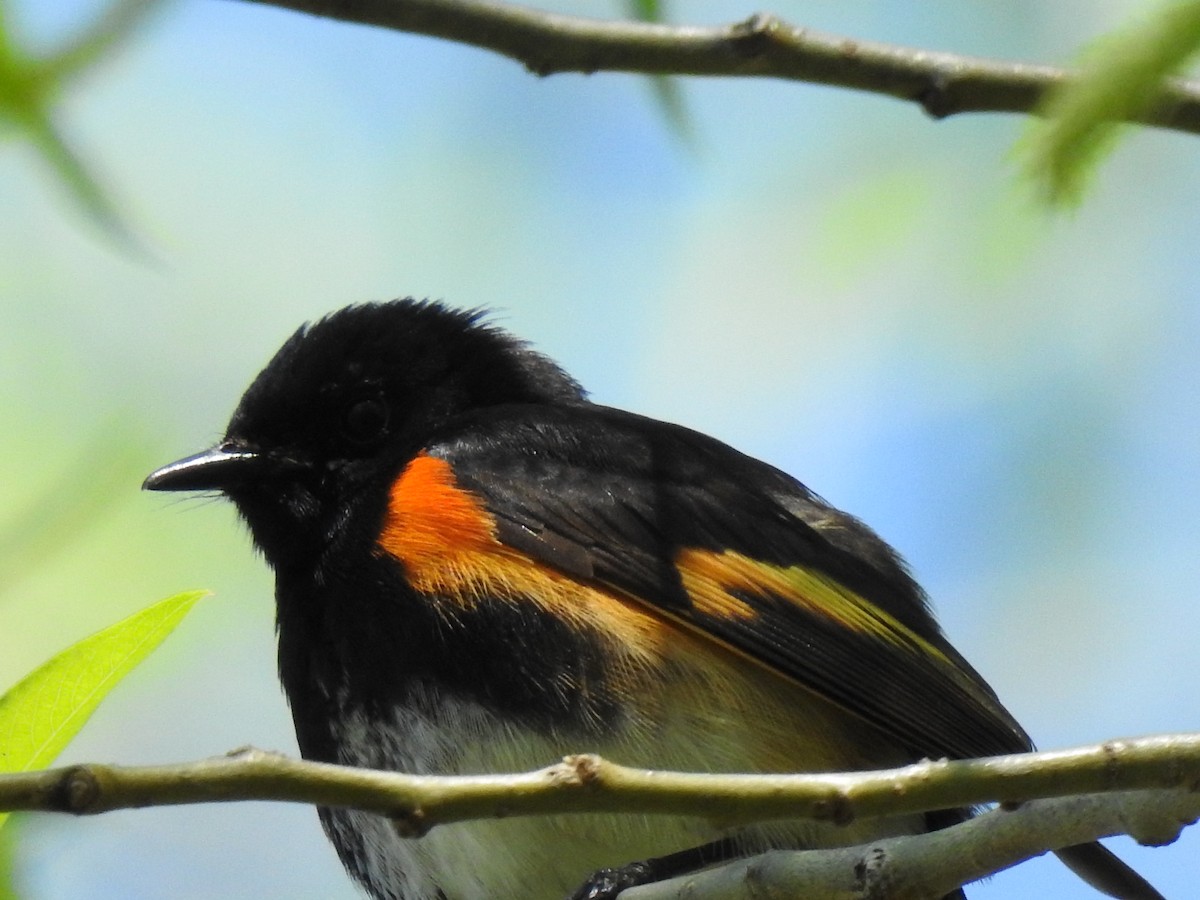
point(345, 403)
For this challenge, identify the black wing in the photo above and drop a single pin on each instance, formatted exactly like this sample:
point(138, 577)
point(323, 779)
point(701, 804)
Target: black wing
point(735, 549)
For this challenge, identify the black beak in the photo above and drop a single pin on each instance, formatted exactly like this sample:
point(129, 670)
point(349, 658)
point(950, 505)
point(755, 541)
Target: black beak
point(224, 466)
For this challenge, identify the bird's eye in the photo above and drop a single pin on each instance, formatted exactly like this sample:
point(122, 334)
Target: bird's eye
point(365, 420)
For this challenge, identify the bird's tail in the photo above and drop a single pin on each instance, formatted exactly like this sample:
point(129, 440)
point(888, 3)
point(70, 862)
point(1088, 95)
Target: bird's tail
point(1104, 871)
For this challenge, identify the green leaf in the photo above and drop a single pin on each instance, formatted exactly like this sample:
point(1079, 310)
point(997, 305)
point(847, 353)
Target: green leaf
point(667, 92)
point(646, 10)
point(41, 713)
point(113, 27)
point(30, 86)
point(8, 851)
point(1121, 78)
point(669, 95)
point(77, 177)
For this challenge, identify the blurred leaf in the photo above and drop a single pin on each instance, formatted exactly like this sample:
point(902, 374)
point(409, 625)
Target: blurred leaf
point(102, 474)
point(8, 850)
point(30, 86)
point(647, 10)
point(76, 176)
point(42, 712)
point(868, 218)
point(1121, 77)
point(99, 41)
point(668, 93)
point(1003, 232)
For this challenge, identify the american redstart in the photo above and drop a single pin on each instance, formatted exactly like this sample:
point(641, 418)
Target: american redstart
point(479, 570)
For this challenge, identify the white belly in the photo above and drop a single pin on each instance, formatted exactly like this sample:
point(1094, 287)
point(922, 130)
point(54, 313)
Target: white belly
point(548, 857)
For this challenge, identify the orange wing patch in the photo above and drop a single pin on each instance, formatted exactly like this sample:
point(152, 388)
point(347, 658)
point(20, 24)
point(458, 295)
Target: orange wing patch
point(709, 577)
point(446, 540)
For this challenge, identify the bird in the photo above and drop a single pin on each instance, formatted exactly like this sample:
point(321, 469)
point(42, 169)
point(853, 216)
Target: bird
point(478, 569)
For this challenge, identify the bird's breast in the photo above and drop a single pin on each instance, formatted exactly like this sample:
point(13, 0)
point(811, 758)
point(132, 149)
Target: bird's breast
point(715, 718)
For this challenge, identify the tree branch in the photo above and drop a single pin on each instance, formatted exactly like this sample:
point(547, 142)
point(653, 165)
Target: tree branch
point(763, 46)
point(590, 784)
point(926, 865)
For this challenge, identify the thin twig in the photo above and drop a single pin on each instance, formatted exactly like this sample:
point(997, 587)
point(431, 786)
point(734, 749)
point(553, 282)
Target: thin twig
point(763, 46)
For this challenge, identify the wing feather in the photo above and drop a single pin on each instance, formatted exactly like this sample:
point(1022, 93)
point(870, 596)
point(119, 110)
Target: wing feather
point(729, 547)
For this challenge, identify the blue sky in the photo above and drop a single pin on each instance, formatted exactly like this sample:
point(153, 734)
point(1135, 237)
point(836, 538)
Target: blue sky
point(863, 297)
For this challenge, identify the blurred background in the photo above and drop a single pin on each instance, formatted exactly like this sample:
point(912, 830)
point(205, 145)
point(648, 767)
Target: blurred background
point(830, 281)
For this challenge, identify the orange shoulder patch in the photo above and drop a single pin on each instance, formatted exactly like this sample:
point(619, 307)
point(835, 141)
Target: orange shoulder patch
point(431, 521)
point(446, 540)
